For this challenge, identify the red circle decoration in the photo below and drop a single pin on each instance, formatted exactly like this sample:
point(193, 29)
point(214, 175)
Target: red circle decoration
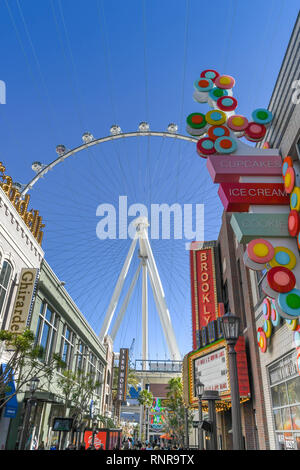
point(287, 162)
point(294, 223)
point(205, 146)
point(210, 73)
point(255, 132)
point(281, 279)
point(214, 132)
point(225, 81)
point(262, 339)
point(260, 251)
point(227, 103)
point(289, 179)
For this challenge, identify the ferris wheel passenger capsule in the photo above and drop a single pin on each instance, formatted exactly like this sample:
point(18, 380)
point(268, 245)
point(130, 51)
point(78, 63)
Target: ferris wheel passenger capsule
point(37, 166)
point(115, 130)
point(144, 127)
point(60, 149)
point(87, 137)
point(172, 128)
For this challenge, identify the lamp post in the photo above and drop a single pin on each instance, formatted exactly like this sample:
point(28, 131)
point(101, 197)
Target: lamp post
point(186, 423)
point(211, 396)
point(94, 432)
point(231, 331)
point(200, 390)
point(33, 387)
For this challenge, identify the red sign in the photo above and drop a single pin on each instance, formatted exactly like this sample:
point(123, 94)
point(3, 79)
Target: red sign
point(203, 289)
point(237, 197)
point(242, 367)
point(99, 440)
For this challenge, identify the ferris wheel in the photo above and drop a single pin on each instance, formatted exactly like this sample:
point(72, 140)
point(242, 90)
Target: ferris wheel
point(151, 166)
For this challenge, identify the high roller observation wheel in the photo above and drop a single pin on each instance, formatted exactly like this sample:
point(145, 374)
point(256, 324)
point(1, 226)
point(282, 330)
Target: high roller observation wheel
point(122, 135)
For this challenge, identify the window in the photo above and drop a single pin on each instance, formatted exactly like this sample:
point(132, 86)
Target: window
point(225, 297)
point(99, 377)
point(67, 346)
point(5, 276)
point(46, 332)
point(285, 393)
point(80, 357)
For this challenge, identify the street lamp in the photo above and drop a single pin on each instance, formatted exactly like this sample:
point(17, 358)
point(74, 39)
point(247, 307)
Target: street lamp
point(32, 388)
point(200, 390)
point(231, 331)
point(94, 432)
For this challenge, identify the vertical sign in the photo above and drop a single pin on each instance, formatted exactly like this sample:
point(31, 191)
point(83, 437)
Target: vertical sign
point(203, 289)
point(123, 370)
point(23, 301)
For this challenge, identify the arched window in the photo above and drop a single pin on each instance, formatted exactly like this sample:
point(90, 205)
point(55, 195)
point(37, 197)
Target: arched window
point(5, 275)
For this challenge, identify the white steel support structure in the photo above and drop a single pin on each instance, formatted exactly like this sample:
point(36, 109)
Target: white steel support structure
point(148, 267)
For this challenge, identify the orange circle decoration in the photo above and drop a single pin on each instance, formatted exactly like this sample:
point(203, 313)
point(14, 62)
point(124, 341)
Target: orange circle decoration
point(204, 84)
point(205, 146)
point(287, 162)
point(281, 279)
point(260, 251)
point(237, 123)
point(227, 103)
point(292, 324)
point(289, 180)
point(255, 132)
point(214, 132)
point(225, 145)
point(267, 328)
point(275, 317)
point(225, 81)
point(294, 223)
point(211, 74)
point(262, 339)
point(266, 309)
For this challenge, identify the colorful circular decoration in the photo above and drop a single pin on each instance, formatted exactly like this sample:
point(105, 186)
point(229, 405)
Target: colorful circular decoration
point(204, 84)
point(267, 289)
point(262, 116)
point(217, 93)
point(262, 339)
point(294, 223)
point(295, 199)
point(283, 257)
point(298, 241)
point(289, 179)
point(266, 309)
point(255, 132)
point(225, 145)
point(292, 324)
point(215, 117)
point(251, 264)
point(196, 120)
point(260, 251)
point(297, 336)
point(281, 279)
point(281, 312)
point(287, 162)
point(267, 327)
point(227, 103)
point(205, 146)
point(275, 317)
point(237, 123)
point(214, 132)
point(298, 362)
point(209, 73)
point(225, 82)
point(290, 303)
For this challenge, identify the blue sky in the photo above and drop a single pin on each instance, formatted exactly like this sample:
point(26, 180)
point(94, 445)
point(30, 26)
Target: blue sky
point(72, 66)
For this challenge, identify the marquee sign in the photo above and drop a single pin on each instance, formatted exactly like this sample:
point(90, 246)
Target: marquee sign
point(227, 168)
point(123, 372)
point(31, 217)
point(237, 197)
point(211, 365)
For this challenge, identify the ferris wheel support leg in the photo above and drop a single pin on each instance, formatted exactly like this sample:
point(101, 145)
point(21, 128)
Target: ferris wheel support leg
point(116, 294)
point(144, 316)
point(167, 325)
point(124, 306)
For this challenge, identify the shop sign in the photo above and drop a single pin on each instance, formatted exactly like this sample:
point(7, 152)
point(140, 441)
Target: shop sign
point(123, 371)
point(249, 226)
point(24, 300)
point(237, 197)
point(230, 168)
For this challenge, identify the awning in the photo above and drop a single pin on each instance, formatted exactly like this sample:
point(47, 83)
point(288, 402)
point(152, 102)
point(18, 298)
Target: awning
point(11, 407)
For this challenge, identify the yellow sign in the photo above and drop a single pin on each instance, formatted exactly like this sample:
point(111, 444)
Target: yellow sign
point(31, 218)
point(23, 300)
